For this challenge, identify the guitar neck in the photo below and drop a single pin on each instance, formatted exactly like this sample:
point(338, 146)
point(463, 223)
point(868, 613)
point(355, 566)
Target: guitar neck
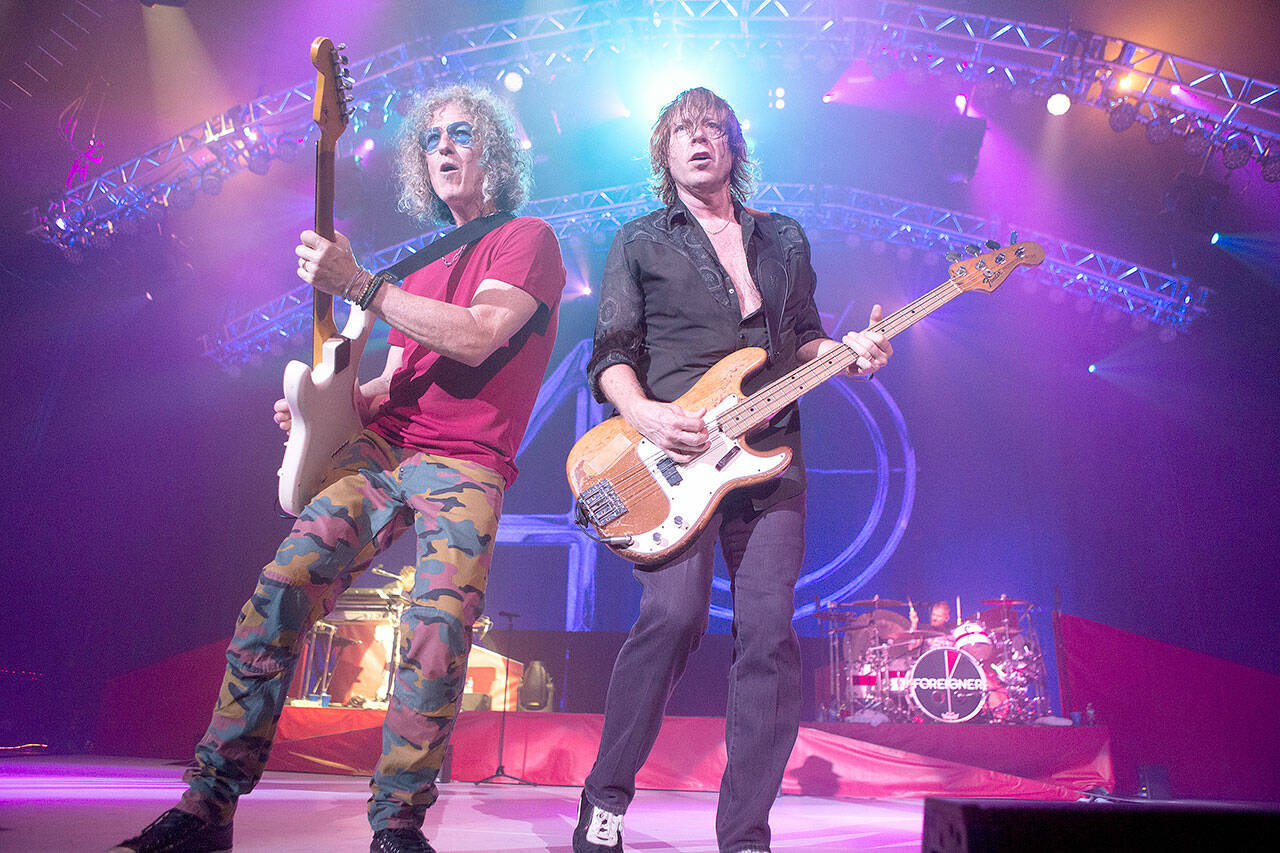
point(322, 323)
point(756, 409)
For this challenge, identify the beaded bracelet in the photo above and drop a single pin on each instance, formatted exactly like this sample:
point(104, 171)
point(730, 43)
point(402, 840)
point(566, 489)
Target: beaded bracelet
point(371, 290)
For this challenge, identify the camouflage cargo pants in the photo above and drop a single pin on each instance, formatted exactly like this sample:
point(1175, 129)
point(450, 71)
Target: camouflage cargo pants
point(376, 492)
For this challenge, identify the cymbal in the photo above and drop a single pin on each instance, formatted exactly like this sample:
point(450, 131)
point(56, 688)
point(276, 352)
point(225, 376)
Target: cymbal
point(834, 617)
point(918, 634)
point(1011, 602)
point(879, 602)
point(889, 623)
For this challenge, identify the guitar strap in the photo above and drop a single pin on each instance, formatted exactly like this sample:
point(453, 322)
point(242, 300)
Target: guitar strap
point(771, 272)
point(469, 233)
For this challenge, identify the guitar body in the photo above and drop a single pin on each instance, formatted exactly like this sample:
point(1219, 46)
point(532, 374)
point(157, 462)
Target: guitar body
point(325, 420)
point(663, 505)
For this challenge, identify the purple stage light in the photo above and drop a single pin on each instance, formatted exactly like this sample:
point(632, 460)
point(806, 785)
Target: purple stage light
point(962, 103)
point(1058, 103)
point(1176, 90)
point(1093, 368)
point(365, 148)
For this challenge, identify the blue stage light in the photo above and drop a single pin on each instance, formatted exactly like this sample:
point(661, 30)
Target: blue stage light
point(1093, 368)
point(1213, 241)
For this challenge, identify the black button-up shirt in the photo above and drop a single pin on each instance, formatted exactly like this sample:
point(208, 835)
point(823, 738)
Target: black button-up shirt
point(670, 310)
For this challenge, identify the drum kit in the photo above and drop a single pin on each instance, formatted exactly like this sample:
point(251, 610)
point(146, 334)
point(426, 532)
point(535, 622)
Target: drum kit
point(986, 669)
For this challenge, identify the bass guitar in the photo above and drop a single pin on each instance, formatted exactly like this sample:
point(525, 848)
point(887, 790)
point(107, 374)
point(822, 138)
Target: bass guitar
point(321, 395)
point(647, 507)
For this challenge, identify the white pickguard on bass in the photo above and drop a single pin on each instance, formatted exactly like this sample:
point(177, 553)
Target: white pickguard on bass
point(322, 403)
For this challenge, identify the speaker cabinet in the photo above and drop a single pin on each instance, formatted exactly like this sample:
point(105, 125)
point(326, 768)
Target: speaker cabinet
point(993, 826)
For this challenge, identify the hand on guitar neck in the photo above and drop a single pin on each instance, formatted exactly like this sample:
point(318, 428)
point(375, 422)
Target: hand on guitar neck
point(872, 347)
point(327, 265)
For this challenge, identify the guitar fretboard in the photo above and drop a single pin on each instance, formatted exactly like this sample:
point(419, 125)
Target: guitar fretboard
point(772, 398)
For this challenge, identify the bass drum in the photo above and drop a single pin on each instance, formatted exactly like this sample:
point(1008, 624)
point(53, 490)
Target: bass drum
point(947, 685)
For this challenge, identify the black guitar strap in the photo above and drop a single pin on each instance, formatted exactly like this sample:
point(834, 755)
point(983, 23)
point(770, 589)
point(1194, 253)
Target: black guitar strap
point(469, 233)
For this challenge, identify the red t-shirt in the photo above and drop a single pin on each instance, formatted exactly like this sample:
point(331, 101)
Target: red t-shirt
point(479, 414)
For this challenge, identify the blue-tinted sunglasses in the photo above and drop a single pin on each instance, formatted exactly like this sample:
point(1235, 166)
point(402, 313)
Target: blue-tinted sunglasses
point(459, 131)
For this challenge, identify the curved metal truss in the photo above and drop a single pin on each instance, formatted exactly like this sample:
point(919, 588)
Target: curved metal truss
point(831, 212)
point(1230, 111)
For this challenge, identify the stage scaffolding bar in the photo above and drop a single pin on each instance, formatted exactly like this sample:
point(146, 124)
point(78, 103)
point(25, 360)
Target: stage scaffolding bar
point(827, 212)
point(1091, 68)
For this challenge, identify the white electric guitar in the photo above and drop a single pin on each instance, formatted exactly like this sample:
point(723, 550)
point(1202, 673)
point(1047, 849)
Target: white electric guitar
point(322, 397)
point(649, 508)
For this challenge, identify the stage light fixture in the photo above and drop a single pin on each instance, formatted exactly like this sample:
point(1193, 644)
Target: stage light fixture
point(1093, 368)
point(287, 149)
point(1122, 116)
point(211, 183)
point(961, 102)
point(1058, 104)
point(1176, 90)
point(513, 81)
point(182, 197)
point(1237, 152)
point(1196, 143)
point(1271, 168)
point(1159, 130)
point(259, 160)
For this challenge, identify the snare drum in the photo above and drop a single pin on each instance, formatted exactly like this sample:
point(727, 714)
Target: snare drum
point(971, 637)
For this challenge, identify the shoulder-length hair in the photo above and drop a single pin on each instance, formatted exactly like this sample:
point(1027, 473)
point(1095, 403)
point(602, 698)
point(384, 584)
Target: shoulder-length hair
point(690, 107)
point(504, 162)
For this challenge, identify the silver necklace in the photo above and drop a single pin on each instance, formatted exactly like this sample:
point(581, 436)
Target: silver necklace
point(716, 232)
point(452, 258)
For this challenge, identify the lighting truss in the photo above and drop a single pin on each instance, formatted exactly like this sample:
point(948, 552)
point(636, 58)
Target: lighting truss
point(826, 211)
point(988, 51)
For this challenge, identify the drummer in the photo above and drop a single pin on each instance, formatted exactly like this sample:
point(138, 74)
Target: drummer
point(939, 618)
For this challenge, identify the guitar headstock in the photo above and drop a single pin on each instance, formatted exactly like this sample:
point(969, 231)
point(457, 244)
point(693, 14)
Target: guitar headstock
point(988, 271)
point(330, 109)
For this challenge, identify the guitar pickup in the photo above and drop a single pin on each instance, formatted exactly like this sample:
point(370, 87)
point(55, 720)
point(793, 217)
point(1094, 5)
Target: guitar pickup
point(667, 467)
point(727, 458)
point(601, 503)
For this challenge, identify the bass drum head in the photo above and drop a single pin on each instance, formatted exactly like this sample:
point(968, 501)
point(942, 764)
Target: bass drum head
point(947, 685)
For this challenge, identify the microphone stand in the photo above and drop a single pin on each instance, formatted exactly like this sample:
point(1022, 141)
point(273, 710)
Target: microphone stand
point(501, 772)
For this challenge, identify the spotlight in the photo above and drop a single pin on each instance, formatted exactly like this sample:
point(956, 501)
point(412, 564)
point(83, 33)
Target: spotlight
point(1236, 153)
point(961, 102)
point(1196, 143)
point(1176, 90)
point(779, 92)
point(779, 104)
point(1213, 241)
point(61, 222)
point(1122, 116)
point(513, 81)
point(1159, 130)
point(1271, 168)
point(211, 183)
point(1093, 368)
point(1058, 104)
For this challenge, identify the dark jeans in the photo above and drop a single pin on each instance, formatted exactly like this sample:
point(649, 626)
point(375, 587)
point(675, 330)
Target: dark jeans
point(763, 551)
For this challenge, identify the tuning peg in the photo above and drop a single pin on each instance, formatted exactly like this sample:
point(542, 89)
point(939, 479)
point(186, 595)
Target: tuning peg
point(342, 45)
point(972, 249)
point(953, 256)
point(1013, 237)
point(992, 244)
point(342, 57)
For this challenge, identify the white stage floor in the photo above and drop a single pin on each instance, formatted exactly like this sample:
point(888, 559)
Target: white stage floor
point(70, 804)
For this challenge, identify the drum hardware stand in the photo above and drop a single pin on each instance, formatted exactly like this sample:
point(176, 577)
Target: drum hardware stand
point(501, 772)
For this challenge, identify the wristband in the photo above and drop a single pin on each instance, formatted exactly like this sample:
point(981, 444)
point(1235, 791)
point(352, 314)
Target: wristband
point(371, 290)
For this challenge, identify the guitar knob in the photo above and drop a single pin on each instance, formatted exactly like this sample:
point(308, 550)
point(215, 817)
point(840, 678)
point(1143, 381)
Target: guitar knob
point(953, 256)
point(342, 46)
point(992, 244)
point(1013, 237)
point(972, 249)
